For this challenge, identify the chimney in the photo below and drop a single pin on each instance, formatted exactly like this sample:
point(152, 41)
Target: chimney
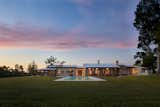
point(98, 61)
point(117, 62)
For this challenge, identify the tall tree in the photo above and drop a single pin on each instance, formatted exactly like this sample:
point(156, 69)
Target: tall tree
point(62, 62)
point(147, 16)
point(52, 60)
point(21, 68)
point(157, 41)
point(16, 67)
point(149, 61)
point(32, 68)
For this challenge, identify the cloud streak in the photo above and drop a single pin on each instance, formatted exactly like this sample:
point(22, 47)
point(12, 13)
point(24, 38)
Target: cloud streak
point(83, 2)
point(22, 36)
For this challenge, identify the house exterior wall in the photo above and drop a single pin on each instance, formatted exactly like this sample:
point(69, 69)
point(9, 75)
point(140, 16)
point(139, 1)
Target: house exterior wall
point(125, 71)
point(94, 71)
point(102, 71)
point(66, 71)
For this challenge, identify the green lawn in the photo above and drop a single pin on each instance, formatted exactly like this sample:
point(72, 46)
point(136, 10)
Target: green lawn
point(142, 91)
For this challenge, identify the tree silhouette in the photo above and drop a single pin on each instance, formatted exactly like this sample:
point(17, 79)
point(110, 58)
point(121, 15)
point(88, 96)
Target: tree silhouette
point(147, 16)
point(52, 60)
point(32, 68)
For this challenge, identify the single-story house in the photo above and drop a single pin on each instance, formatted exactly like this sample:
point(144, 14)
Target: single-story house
point(93, 70)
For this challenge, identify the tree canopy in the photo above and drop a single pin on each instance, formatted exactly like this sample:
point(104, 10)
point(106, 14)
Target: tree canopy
point(52, 60)
point(32, 68)
point(147, 19)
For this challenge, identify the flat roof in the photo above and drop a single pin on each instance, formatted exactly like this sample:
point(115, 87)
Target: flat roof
point(100, 66)
point(53, 67)
point(65, 66)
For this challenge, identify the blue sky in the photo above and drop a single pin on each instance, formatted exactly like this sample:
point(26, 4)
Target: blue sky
point(78, 31)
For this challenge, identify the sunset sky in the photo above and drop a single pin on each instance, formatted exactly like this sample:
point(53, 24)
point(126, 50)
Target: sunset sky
point(77, 31)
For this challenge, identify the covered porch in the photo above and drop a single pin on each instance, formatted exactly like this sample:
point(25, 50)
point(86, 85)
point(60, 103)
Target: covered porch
point(101, 69)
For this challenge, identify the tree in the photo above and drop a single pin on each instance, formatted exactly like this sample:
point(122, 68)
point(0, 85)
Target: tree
point(5, 68)
point(6, 71)
point(17, 67)
point(150, 62)
point(52, 60)
point(157, 33)
point(157, 41)
point(146, 20)
point(62, 62)
point(32, 68)
point(21, 68)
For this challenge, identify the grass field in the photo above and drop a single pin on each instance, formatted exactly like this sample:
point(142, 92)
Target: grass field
point(143, 91)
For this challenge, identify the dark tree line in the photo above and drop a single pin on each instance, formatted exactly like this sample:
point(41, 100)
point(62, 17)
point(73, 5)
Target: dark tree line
point(6, 71)
point(32, 69)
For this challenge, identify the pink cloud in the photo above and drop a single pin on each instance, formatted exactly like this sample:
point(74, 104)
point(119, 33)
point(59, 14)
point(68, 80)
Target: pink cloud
point(40, 38)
